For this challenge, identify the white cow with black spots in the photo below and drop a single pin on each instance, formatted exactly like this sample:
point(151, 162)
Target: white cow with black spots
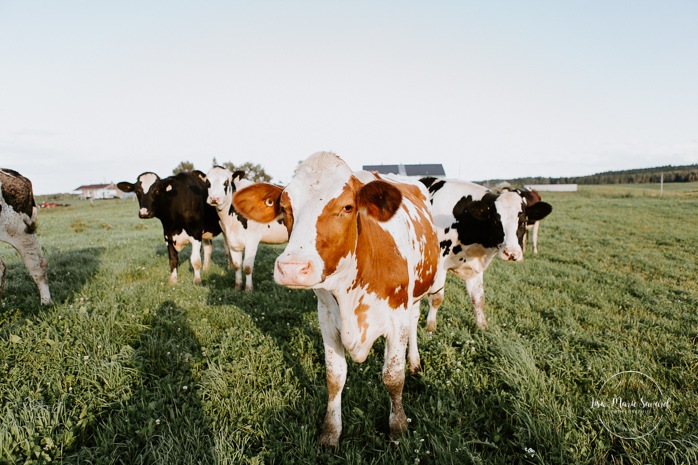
point(474, 226)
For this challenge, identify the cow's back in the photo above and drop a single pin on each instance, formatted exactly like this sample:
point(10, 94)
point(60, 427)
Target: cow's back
point(17, 191)
point(444, 196)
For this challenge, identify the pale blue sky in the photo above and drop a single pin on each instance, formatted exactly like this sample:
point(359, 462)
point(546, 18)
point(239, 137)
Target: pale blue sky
point(102, 91)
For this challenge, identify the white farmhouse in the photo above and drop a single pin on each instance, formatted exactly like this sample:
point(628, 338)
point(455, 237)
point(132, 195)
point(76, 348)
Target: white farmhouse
point(98, 191)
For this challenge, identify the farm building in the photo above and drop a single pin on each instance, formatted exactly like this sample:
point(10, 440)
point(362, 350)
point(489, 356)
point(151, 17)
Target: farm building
point(540, 187)
point(553, 187)
point(420, 170)
point(99, 191)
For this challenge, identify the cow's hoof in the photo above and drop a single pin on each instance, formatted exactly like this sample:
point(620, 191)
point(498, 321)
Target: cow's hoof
point(398, 426)
point(197, 281)
point(329, 436)
point(431, 326)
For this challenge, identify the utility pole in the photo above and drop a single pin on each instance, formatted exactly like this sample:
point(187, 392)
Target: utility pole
point(661, 185)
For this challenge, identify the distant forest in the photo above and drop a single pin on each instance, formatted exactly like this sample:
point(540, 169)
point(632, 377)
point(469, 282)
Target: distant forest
point(687, 173)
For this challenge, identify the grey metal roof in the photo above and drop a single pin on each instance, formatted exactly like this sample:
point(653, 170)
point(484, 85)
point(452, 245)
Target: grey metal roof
point(429, 169)
point(425, 170)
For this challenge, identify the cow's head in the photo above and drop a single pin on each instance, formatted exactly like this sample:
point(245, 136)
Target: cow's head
point(221, 184)
point(499, 220)
point(323, 207)
point(147, 187)
point(535, 209)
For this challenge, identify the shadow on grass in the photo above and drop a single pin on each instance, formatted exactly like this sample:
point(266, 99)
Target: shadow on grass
point(162, 420)
point(68, 273)
point(275, 310)
point(217, 256)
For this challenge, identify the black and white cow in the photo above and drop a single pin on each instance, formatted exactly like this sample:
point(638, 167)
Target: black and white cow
point(18, 228)
point(474, 225)
point(179, 202)
point(240, 233)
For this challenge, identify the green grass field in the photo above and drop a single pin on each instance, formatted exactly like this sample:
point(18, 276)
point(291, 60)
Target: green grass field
point(123, 368)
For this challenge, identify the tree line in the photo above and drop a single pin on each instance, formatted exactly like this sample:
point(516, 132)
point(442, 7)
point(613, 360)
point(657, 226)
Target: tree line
point(253, 171)
point(686, 173)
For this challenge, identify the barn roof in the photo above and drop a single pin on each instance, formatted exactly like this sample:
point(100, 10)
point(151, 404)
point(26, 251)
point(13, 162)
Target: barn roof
point(429, 169)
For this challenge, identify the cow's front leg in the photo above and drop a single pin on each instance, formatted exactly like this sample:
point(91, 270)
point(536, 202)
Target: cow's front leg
point(236, 258)
point(195, 260)
point(248, 263)
point(476, 292)
point(394, 376)
point(335, 366)
point(534, 235)
point(208, 249)
point(524, 240)
point(174, 261)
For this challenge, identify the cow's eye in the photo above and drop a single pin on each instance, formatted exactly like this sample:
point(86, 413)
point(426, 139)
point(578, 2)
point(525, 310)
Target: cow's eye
point(226, 184)
point(348, 208)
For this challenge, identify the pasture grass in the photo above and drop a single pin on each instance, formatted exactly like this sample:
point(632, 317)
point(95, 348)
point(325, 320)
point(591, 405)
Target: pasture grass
point(125, 369)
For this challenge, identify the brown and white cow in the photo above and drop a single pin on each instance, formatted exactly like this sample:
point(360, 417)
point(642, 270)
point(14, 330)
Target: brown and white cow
point(366, 244)
point(18, 228)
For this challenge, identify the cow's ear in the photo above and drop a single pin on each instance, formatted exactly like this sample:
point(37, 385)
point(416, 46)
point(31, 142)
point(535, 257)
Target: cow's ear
point(167, 186)
point(259, 202)
point(538, 211)
point(238, 176)
point(480, 210)
point(200, 174)
point(379, 199)
point(126, 186)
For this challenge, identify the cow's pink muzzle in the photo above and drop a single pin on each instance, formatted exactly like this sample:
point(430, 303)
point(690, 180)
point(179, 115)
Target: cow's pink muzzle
point(296, 273)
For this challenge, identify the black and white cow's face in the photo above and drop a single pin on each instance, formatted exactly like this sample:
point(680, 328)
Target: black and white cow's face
point(493, 221)
point(147, 188)
point(497, 221)
point(221, 185)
